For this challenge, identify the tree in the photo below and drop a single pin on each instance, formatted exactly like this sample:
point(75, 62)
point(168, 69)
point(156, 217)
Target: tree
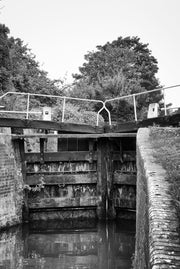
point(120, 68)
point(5, 63)
point(20, 72)
point(26, 73)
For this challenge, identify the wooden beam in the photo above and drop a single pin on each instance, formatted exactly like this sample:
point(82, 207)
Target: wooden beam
point(49, 125)
point(102, 177)
point(91, 149)
point(108, 135)
point(42, 140)
point(64, 202)
point(20, 160)
point(125, 202)
point(124, 179)
point(86, 258)
point(111, 213)
point(125, 156)
point(88, 129)
point(63, 179)
point(170, 120)
point(127, 127)
point(61, 156)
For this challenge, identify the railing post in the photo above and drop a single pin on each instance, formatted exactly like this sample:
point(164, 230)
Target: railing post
point(134, 102)
point(27, 111)
point(97, 119)
point(107, 110)
point(109, 114)
point(63, 110)
point(165, 109)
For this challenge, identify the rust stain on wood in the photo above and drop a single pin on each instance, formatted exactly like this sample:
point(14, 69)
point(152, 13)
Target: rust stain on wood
point(88, 178)
point(65, 202)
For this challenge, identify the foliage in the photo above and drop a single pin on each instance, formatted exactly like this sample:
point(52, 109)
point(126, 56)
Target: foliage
point(76, 114)
point(19, 71)
point(127, 58)
point(120, 68)
point(5, 64)
point(177, 111)
point(124, 66)
point(36, 188)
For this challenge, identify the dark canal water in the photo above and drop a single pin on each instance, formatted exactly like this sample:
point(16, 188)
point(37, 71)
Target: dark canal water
point(55, 245)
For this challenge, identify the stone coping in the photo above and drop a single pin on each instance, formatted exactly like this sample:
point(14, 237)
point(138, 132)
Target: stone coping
point(164, 240)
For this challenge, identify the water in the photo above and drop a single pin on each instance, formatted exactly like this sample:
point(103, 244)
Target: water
point(55, 245)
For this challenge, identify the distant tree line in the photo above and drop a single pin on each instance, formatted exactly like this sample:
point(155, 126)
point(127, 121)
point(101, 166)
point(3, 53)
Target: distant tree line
point(124, 66)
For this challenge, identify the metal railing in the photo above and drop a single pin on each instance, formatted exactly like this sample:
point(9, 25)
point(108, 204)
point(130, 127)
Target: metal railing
point(162, 90)
point(64, 99)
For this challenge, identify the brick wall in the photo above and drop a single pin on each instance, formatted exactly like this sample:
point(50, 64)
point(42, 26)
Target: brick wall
point(157, 224)
point(11, 248)
point(142, 221)
point(11, 195)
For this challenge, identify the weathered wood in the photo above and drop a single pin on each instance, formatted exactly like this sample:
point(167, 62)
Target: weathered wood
point(91, 148)
point(125, 156)
point(127, 127)
point(19, 154)
point(88, 178)
point(42, 142)
point(111, 213)
point(66, 170)
point(125, 196)
point(84, 257)
point(124, 179)
point(25, 210)
point(61, 167)
point(43, 173)
point(125, 202)
point(170, 120)
point(95, 136)
point(49, 125)
point(102, 178)
point(61, 156)
point(64, 202)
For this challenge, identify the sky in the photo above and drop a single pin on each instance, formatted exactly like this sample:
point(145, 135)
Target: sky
point(61, 32)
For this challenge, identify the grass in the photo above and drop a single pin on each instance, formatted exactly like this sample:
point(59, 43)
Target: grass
point(166, 145)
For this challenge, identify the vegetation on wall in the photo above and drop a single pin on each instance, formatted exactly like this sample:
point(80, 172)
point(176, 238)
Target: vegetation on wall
point(77, 114)
point(165, 141)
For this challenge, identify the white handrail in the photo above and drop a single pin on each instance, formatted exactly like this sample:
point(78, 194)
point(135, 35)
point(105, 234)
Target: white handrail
point(20, 112)
point(104, 107)
point(141, 93)
point(64, 98)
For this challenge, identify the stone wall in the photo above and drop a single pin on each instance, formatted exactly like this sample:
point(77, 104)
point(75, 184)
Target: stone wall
point(11, 195)
point(157, 236)
point(11, 248)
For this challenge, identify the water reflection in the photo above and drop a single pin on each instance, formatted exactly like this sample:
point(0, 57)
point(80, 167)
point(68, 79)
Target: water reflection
point(79, 245)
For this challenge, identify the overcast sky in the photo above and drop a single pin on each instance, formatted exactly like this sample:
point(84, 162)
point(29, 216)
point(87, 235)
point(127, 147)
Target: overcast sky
point(61, 32)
